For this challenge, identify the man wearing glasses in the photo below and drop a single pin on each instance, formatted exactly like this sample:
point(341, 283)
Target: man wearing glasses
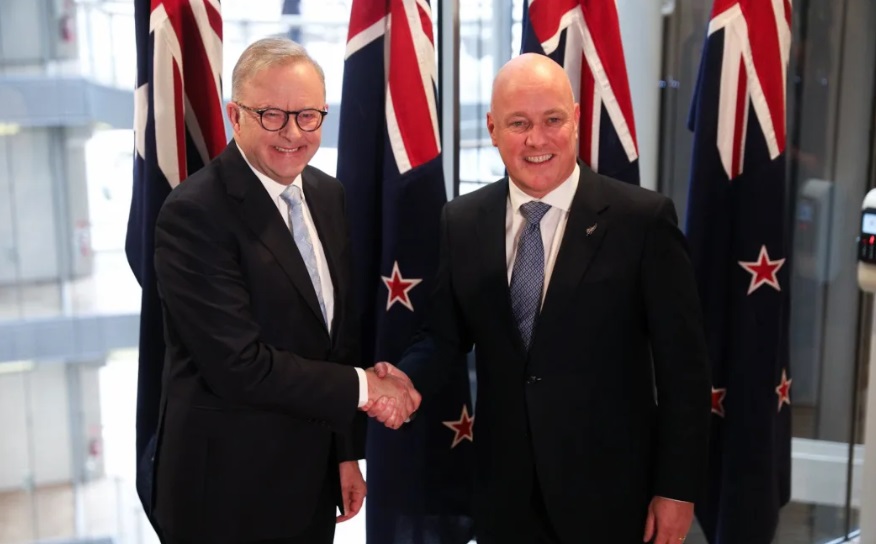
point(259, 433)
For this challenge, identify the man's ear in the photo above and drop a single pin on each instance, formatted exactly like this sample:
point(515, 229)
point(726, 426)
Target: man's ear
point(577, 114)
point(233, 113)
point(491, 126)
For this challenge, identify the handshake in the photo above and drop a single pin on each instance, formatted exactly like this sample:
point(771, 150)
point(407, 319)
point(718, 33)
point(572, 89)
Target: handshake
point(392, 399)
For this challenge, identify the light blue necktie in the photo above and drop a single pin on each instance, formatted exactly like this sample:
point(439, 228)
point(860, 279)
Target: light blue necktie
point(527, 277)
point(292, 196)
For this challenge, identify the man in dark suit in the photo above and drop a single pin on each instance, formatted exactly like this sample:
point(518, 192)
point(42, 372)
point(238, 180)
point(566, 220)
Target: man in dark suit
point(576, 291)
point(257, 438)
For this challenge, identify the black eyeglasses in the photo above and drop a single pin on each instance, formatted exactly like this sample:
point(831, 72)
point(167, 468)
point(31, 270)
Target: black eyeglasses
point(274, 119)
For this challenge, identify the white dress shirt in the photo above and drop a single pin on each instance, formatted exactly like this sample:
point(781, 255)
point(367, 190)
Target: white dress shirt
point(274, 190)
point(552, 225)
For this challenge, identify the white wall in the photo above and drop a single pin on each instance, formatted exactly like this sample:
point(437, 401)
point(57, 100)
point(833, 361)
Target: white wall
point(642, 34)
point(50, 424)
point(13, 430)
point(36, 445)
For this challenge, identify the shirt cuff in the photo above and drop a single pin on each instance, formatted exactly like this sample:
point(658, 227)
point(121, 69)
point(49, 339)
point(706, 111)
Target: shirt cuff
point(363, 387)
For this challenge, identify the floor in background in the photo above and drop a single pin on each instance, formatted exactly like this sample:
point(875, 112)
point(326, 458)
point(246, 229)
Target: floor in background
point(109, 509)
point(109, 512)
point(798, 524)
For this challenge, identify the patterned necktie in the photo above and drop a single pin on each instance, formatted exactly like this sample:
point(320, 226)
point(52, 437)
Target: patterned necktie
point(527, 277)
point(292, 196)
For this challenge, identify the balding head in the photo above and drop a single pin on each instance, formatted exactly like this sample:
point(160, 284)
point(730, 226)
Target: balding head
point(531, 69)
point(533, 120)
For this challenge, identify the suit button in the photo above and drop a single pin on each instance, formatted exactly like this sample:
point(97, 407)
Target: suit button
point(532, 379)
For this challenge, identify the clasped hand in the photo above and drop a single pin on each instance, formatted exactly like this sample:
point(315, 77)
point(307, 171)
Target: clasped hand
point(392, 398)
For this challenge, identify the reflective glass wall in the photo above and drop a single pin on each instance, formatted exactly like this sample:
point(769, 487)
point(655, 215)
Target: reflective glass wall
point(830, 122)
point(69, 304)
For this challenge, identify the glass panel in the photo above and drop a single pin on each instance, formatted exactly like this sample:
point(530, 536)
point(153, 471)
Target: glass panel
point(489, 36)
point(66, 457)
point(67, 294)
point(829, 122)
point(17, 502)
point(109, 287)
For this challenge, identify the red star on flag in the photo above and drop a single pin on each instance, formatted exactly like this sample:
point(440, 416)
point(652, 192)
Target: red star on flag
point(763, 271)
point(399, 288)
point(783, 390)
point(718, 401)
point(463, 427)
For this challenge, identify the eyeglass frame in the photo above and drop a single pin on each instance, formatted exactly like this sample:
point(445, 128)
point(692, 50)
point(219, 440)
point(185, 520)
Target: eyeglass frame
point(260, 112)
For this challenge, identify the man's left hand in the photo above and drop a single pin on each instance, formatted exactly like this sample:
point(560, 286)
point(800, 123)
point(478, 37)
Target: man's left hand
point(352, 489)
point(668, 521)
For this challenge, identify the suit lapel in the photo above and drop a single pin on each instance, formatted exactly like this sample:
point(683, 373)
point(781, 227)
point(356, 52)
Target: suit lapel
point(584, 233)
point(491, 238)
point(255, 209)
point(320, 209)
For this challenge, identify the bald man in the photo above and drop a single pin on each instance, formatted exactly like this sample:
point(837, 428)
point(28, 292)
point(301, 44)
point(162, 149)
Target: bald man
point(577, 292)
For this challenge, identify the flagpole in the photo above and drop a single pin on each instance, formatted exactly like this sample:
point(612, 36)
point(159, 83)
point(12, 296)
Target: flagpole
point(448, 91)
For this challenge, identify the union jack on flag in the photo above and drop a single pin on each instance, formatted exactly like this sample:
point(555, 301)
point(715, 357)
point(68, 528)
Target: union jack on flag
point(410, 74)
point(738, 238)
point(389, 160)
point(178, 129)
point(757, 41)
point(583, 36)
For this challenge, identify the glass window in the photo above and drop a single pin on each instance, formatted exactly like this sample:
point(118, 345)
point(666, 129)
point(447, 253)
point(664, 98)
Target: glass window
point(69, 303)
point(829, 122)
point(489, 36)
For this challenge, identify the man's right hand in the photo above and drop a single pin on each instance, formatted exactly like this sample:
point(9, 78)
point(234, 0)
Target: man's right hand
point(392, 397)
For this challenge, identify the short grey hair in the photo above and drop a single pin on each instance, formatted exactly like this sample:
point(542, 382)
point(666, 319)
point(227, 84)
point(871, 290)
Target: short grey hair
point(267, 53)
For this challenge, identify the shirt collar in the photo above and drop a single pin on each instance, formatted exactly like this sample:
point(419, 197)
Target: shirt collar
point(561, 197)
point(274, 188)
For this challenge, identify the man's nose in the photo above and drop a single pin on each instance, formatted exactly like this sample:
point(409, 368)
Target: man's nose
point(535, 136)
point(291, 129)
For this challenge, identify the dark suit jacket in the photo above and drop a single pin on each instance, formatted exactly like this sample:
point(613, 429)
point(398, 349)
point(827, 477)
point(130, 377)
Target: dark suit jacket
point(579, 413)
point(258, 399)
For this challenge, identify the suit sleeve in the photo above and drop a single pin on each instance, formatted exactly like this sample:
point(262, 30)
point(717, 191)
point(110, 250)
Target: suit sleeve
point(207, 302)
point(349, 445)
point(680, 359)
point(443, 341)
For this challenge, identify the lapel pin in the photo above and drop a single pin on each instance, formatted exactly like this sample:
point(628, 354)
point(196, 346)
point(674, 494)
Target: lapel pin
point(591, 229)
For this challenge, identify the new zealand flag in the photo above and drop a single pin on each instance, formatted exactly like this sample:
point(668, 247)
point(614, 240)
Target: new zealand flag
point(583, 36)
point(419, 477)
point(178, 128)
point(737, 231)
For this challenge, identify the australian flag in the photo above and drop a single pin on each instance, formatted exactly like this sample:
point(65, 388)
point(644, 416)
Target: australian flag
point(419, 477)
point(584, 37)
point(178, 128)
point(737, 232)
